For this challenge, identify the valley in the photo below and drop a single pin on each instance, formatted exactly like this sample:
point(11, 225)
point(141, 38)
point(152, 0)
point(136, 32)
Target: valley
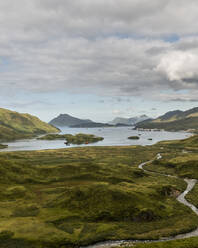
point(74, 197)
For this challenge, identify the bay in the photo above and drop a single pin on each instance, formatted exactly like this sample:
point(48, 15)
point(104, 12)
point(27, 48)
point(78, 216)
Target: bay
point(113, 136)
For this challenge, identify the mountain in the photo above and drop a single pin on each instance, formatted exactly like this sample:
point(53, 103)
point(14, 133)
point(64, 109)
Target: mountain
point(173, 121)
point(68, 120)
point(14, 125)
point(128, 121)
point(170, 116)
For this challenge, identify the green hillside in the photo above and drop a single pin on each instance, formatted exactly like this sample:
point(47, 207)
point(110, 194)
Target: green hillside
point(173, 121)
point(66, 198)
point(182, 161)
point(14, 125)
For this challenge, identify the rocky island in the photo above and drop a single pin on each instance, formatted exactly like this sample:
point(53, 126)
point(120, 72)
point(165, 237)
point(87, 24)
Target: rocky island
point(134, 137)
point(73, 139)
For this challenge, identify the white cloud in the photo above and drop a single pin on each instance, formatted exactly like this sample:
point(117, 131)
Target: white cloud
point(179, 65)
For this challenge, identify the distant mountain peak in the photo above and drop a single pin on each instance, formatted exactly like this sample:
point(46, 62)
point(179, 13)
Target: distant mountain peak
point(68, 120)
point(128, 121)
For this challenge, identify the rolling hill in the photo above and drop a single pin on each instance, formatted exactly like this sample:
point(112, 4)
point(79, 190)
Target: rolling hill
point(14, 125)
point(173, 121)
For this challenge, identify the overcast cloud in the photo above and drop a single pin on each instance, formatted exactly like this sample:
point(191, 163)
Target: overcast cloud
point(105, 47)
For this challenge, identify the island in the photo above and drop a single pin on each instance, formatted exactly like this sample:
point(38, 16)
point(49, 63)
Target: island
point(77, 139)
point(134, 137)
point(3, 146)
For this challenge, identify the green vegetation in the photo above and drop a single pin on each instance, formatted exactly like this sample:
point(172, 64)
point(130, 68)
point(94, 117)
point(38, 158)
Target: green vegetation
point(72, 197)
point(173, 121)
point(182, 160)
point(184, 124)
point(3, 146)
point(192, 196)
point(189, 144)
point(134, 137)
point(19, 126)
point(183, 243)
point(179, 158)
point(73, 139)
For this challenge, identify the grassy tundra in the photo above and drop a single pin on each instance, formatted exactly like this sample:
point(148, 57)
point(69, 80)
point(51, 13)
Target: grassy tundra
point(183, 162)
point(69, 197)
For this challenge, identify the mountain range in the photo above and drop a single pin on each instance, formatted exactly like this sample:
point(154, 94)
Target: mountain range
point(129, 121)
point(70, 121)
point(173, 121)
point(14, 125)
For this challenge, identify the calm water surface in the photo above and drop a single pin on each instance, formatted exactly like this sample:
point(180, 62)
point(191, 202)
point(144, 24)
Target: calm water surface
point(113, 136)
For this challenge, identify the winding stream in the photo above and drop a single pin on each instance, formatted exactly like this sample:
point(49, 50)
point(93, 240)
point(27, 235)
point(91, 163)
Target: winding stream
point(181, 198)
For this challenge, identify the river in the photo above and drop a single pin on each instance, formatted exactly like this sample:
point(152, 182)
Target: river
point(181, 198)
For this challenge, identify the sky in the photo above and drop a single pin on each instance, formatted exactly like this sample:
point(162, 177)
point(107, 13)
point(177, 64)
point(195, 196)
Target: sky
point(98, 59)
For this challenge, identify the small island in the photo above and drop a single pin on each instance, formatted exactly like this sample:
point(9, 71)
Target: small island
point(77, 139)
point(3, 146)
point(134, 137)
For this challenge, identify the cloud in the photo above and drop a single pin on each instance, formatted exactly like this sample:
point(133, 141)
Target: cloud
point(180, 66)
point(114, 48)
point(38, 19)
point(110, 66)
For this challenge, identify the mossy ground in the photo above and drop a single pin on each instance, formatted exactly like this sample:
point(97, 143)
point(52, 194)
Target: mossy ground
point(178, 158)
point(69, 197)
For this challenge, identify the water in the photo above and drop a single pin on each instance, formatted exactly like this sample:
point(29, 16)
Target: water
point(113, 136)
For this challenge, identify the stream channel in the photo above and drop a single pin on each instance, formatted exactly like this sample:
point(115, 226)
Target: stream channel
point(181, 198)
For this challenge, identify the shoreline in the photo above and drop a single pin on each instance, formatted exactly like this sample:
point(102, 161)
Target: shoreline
point(112, 139)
